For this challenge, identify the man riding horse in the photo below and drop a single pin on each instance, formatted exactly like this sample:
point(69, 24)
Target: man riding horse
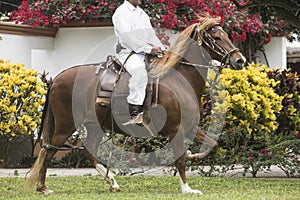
point(135, 39)
point(71, 98)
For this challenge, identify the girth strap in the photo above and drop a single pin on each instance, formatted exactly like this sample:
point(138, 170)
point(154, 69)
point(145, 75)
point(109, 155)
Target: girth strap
point(65, 147)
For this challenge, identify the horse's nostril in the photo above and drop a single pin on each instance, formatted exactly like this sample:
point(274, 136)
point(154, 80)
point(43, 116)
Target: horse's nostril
point(241, 62)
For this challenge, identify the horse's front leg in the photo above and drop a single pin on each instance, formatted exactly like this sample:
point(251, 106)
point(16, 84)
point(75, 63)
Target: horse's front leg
point(94, 138)
point(102, 170)
point(178, 149)
point(209, 144)
point(185, 188)
point(109, 177)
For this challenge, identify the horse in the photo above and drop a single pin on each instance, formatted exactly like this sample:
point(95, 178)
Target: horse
point(182, 73)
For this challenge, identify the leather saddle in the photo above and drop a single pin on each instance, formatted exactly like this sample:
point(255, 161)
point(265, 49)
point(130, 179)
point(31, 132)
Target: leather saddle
point(110, 72)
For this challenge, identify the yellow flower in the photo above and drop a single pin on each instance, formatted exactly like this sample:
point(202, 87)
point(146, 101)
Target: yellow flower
point(24, 86)
point(250, 98)
point(21, 99)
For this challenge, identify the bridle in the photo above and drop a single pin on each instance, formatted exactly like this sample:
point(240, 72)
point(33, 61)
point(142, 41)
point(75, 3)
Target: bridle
point(213, 46)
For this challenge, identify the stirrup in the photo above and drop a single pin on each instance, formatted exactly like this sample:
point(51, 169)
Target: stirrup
point(138, 120)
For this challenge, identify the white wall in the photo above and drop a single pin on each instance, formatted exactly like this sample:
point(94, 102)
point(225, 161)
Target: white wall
point(18, 48)
point(71, 46)
point(275, 52)
point(75, 46)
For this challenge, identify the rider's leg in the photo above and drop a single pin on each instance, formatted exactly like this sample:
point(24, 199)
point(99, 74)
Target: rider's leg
point(136, 67)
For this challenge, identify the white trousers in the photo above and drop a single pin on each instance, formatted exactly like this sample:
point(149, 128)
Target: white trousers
point(136, 67)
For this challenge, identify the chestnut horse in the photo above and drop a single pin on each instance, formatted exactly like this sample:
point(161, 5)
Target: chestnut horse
point(182, 70)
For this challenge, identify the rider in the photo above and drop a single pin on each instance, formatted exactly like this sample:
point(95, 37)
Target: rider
point(135, 38)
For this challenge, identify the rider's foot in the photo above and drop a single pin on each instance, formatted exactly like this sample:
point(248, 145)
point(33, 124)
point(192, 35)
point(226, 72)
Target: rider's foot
point(136, 114)
point(137, 119)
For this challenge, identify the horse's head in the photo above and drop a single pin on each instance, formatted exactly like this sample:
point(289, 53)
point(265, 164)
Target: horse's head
point(215, 40)
point(207, 33)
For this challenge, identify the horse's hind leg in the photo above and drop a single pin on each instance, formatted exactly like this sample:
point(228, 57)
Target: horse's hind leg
point(46, 154)
point(94, 137)
point(209, 144)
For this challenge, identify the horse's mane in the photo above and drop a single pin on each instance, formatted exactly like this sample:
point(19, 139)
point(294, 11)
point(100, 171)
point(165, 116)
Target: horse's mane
point(174, 54)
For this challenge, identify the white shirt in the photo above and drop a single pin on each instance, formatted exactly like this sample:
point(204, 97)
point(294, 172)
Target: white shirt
point(133, 29)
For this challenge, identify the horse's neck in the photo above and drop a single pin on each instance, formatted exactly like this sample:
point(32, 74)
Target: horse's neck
point(198, 55)
point(195, 76)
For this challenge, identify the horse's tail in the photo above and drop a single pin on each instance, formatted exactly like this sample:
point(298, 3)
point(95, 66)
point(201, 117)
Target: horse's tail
point(46, 110)
point(47, 130)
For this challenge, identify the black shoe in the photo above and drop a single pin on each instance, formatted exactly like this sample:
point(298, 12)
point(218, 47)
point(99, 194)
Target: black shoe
point(136, 115)
point(134, 110)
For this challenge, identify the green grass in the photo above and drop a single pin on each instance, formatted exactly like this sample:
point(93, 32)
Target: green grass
point(150, 187)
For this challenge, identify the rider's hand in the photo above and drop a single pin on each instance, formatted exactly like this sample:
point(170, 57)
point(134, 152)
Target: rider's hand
point(156, 51)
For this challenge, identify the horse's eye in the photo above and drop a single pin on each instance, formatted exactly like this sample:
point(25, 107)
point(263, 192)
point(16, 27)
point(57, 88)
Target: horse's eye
point(212, 30)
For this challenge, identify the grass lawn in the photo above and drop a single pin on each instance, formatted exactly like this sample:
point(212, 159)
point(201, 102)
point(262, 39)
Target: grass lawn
point(152, 187)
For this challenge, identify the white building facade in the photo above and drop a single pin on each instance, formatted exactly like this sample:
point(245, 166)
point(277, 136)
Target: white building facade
point(55, 50)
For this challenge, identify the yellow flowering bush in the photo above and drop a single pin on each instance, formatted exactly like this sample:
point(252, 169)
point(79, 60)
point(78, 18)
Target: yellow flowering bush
point(251, 101)
point(21, 100)
point(258, 111)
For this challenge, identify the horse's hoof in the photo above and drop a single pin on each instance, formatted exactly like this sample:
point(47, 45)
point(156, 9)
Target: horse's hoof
point(114, 190)
point(48, 192)
point(191, 191)
point(45, 191)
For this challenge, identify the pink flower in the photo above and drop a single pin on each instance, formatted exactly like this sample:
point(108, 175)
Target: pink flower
point(132, 160)
point(112, 7)
point(243, 2)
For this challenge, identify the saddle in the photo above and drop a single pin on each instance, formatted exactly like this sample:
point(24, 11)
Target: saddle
point(111, 71)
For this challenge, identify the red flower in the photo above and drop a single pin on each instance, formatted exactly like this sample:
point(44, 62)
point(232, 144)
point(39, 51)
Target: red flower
point(297, 135)
point(268, 39)
point(264, 151)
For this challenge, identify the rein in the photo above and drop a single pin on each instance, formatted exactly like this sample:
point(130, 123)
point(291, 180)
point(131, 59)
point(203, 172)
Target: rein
point(217, 69)
point(198, 65)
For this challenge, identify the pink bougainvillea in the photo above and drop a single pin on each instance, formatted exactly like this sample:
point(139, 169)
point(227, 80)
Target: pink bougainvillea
point(171, 14)
point(55, 13)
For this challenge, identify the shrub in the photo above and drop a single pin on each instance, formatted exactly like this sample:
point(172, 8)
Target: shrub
point(255, 103)
point(21, 98)
point(251, 102)
point(286, 140)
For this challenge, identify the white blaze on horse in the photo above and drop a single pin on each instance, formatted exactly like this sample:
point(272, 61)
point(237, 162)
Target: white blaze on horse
point(66, 108)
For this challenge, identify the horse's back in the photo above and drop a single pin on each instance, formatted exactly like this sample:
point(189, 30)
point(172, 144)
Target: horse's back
point(72, 93)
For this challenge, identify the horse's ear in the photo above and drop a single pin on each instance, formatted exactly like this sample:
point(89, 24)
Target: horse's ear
point(202, 16)
point(218, 19)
